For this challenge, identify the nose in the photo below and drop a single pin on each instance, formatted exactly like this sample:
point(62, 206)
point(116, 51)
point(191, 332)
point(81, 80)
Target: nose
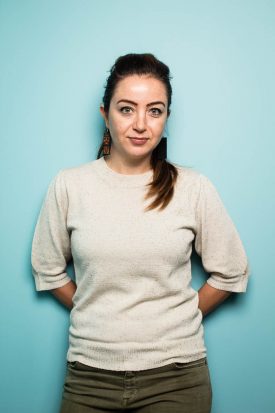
point(140, 122)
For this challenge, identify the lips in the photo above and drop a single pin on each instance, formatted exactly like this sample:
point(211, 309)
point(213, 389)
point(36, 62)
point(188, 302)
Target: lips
point(138, 141)
point(136, 138)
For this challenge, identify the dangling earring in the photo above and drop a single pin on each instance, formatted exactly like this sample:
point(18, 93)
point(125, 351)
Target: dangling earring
point(162, 149)
point(106, 142)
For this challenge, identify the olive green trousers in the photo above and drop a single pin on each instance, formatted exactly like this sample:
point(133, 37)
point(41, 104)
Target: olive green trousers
point(174, 388)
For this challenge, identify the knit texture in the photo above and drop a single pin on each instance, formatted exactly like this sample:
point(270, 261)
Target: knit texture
point(134, 307)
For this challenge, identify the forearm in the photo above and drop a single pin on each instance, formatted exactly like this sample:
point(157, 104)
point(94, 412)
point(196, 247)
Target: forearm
point(210, 298)
point(64, 294)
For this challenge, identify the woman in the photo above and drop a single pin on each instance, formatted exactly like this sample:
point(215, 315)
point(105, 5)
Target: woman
point(136, 336)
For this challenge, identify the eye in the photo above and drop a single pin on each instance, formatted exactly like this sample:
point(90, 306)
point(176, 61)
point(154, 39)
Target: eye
point(125, 109)
point(156, 111)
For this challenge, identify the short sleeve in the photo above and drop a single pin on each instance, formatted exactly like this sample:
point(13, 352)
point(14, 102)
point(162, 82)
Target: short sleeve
point(218, 243)
point(51, 241)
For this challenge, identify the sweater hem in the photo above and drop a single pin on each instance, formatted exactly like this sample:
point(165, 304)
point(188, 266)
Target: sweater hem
point(179, 359)
point(183, 351)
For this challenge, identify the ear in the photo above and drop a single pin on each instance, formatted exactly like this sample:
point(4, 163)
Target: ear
point(104, 115)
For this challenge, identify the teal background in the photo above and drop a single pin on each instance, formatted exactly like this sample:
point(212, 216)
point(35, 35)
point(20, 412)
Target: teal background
point(55, 57)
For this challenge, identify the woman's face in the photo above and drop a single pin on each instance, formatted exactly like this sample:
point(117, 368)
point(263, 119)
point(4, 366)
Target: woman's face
point(138, 109)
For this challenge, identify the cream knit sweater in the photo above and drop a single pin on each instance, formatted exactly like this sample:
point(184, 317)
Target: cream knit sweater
point(134, 307)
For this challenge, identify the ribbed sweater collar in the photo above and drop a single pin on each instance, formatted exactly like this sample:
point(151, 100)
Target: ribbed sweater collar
point(122, 180)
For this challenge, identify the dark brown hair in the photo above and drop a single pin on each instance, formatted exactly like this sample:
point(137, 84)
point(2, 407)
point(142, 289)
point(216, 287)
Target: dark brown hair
point(165, 174)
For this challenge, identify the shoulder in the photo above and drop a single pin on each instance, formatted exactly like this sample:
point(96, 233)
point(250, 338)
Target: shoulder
point(195, 183)
point(78, 173)
point(78, 170)
point(190, 176)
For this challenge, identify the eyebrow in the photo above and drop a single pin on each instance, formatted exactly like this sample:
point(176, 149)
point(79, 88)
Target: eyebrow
point(134, 103)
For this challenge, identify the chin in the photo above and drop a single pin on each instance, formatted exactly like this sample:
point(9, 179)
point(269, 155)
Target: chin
point(137, 153)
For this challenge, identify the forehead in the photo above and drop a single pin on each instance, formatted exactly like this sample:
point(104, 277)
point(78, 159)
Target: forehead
point(137, 87)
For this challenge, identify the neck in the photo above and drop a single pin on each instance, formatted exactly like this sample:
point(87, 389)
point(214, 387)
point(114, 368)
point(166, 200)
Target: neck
point(127, 167)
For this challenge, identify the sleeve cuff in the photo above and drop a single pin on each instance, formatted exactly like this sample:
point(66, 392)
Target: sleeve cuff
point(43, 283)
point(239, 286)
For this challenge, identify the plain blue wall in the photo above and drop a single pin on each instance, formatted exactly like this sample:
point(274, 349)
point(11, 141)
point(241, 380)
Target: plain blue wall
point(55, 57)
